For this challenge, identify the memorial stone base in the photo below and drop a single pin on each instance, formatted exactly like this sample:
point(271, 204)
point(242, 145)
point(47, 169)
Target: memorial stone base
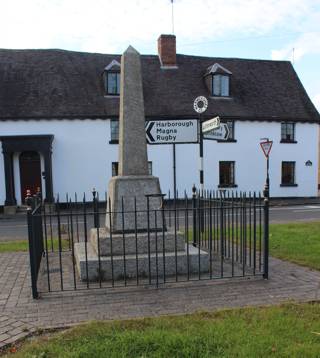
point(131, 256)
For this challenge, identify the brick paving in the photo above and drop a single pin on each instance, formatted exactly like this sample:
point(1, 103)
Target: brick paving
point(20, 315)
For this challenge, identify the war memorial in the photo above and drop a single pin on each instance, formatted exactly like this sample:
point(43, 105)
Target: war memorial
point(135, 235)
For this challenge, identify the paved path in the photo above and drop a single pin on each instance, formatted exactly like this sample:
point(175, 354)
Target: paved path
point(20, 314)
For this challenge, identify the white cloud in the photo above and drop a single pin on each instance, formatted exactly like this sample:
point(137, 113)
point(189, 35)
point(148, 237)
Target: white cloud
point(111, 25)
point(308, 43)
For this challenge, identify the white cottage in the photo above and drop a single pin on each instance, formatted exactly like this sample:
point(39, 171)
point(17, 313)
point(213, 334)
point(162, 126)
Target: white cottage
point(59, 122)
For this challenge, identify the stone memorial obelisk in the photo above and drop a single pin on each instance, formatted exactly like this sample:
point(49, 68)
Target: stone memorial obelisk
point(128, 190)
point(134, 237)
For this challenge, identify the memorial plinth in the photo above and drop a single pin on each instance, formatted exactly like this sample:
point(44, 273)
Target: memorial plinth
point(129, 194)
point(135, 240)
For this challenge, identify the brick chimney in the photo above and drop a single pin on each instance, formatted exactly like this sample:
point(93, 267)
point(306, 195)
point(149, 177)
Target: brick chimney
point(167, 50)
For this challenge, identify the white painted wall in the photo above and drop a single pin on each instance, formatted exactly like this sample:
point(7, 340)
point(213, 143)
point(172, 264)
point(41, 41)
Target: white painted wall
point(250, 162)
point(82, 157)
point(81, 154)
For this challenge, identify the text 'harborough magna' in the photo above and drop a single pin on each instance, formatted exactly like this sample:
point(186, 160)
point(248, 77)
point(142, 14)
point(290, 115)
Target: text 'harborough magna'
point(167, 131)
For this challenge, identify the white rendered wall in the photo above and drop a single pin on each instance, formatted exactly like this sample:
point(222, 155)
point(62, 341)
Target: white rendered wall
point(81, 154)
point(250, 163)
point(82, 158)
point(162, 164)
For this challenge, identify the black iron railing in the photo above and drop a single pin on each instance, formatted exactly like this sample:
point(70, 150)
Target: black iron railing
point(36, 249)
point(211, 235)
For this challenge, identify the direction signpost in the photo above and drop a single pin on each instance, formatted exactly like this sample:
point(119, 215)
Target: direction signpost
point(186, 131)
point(221, 133)
point(172, 131)
point(210, 124)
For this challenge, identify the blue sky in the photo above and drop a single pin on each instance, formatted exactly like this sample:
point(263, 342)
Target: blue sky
point(268, 29)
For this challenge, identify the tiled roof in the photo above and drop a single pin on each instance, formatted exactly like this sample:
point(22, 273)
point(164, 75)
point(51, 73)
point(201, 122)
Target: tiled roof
point(66, 84)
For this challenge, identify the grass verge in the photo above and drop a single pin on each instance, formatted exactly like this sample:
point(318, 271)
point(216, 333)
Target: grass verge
point(291, 330)
point(22, 245)
point(296, 242)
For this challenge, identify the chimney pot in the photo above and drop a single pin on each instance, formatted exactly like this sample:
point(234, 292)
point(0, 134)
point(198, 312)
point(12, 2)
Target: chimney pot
point(167, 50)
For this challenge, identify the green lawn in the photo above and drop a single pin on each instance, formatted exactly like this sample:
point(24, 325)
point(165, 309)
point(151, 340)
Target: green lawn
point(291, 330)
point(296, 242)
point(22, 245)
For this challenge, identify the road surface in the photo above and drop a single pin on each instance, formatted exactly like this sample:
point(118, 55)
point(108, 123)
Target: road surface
point(15, 228)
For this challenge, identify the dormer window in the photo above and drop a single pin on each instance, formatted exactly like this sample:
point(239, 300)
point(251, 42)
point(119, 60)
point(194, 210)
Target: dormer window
point(113, 83)
point(111, 78)
point(220, 85)
point(217, 79)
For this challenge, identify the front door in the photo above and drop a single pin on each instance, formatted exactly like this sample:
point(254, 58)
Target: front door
point(30, 173)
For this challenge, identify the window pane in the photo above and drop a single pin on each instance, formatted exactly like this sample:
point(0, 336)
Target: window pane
point(226, 171)
point(224, 85)
point(118, 83)
point(216, 85)
point(220, 85)
point(115, 168)
point(288, 173)
point(150, 168)
point(114, 127)
point(287, 131)
point(113, 80)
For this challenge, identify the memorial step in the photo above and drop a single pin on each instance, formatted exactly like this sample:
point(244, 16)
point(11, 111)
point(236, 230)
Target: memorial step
point(118, 267)
point(142, 243)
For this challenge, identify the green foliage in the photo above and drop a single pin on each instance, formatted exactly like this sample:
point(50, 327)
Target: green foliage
point(290, 330)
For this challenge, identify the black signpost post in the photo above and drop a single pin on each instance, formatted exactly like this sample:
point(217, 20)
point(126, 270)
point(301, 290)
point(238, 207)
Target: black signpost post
point(200, 105)
point(176, 220)
point(201, 155)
